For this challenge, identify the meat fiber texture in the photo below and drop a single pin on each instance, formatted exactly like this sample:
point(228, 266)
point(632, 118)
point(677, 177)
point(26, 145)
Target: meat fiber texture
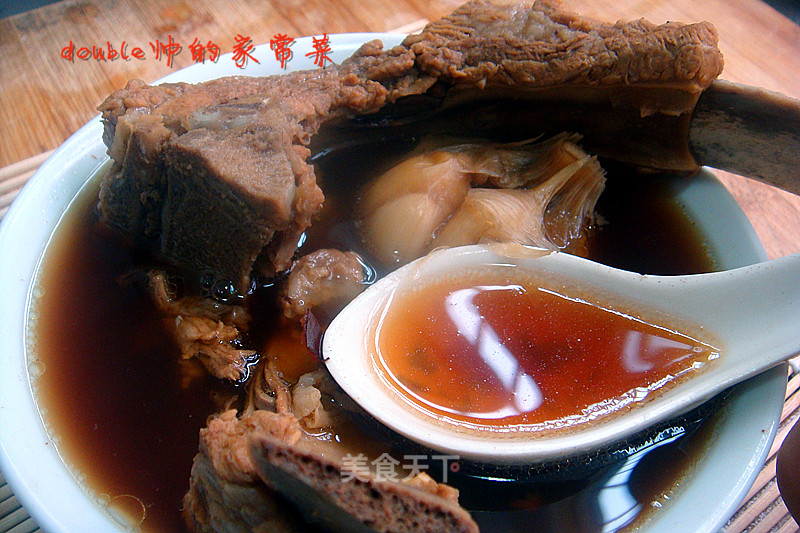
point(214, 177)
point(245, 463)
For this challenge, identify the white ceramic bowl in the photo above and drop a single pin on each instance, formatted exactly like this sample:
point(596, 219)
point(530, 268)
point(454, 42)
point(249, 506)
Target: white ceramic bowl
point(48, 489)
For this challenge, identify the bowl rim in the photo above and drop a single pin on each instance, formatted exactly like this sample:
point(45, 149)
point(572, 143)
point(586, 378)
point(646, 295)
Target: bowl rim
point(51, 493)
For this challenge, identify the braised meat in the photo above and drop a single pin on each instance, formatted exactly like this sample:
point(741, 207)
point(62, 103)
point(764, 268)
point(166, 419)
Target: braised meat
point(323, 281)
point(214, 176)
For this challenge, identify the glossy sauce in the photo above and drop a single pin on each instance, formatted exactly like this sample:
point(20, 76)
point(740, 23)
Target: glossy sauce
point(495, 348)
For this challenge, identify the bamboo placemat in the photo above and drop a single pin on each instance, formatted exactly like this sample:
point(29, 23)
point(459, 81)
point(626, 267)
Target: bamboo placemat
point(762, 512)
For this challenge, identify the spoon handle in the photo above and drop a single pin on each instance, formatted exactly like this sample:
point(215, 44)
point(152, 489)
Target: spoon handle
point(751, 314)
point(754, 311)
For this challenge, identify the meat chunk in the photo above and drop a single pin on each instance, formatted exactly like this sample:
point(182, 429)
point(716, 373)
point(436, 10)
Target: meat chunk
point(489, 43)
point(323, 281)
point(244, 460)
point(364, 503)
point(215, 505)
point(213, 177)
point(225, 440)
point(225, 493)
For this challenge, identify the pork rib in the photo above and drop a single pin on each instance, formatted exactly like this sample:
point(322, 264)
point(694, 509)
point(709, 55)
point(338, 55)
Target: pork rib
point(214, 177)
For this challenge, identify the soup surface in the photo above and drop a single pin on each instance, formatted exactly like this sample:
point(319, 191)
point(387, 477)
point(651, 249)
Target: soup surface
point(114, 391)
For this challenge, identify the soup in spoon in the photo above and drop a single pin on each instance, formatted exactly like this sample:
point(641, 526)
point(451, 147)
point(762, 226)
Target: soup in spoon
point(498, 350)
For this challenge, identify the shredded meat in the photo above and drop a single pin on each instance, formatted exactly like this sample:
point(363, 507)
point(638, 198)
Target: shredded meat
point(274, 384)
point(303, 400)
point(214, 176)
point(205, 330)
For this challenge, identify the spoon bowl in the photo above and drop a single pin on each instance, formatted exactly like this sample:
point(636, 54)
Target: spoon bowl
point(751, 314)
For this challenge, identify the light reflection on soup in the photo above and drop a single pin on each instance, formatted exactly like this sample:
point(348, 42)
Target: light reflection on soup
point(496, 349)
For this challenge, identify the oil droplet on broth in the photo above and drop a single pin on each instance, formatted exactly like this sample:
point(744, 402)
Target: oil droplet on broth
point(491, 351)
point(127, 510)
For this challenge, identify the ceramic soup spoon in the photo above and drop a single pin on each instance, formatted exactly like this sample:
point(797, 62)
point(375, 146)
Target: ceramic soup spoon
point(508, 355)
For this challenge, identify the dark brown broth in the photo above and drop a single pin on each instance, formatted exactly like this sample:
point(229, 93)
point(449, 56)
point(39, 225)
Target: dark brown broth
point(112, 384)
point(112, 387)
